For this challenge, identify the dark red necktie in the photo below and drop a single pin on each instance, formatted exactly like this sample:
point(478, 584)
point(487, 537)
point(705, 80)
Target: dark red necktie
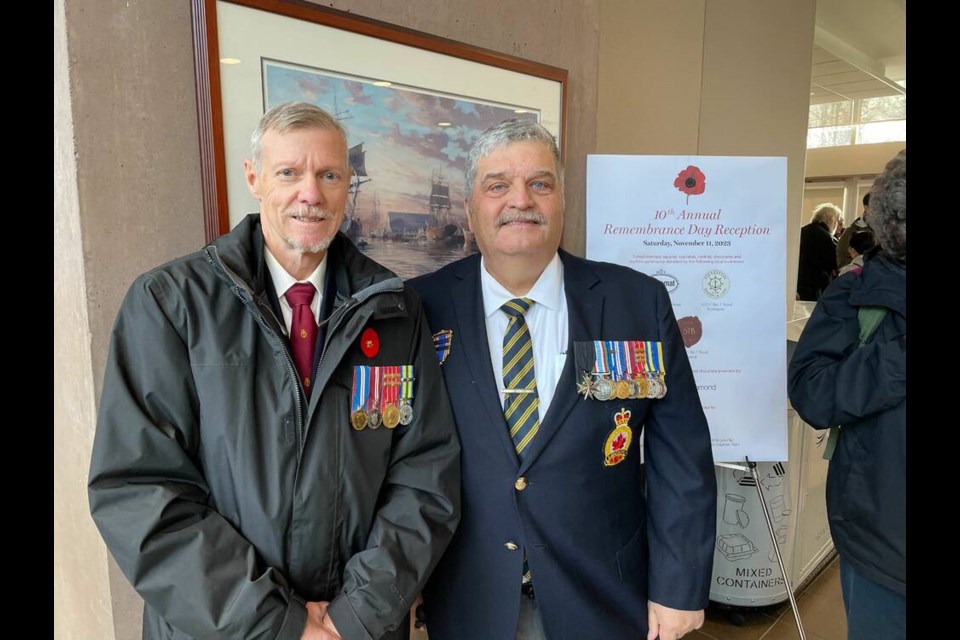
point(303, 329)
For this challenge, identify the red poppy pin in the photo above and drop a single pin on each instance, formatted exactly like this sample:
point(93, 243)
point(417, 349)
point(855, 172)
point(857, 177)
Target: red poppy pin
point(691, 181)
point(369, 342)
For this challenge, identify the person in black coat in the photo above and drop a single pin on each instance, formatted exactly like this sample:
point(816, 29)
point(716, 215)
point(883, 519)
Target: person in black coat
point(818, 253)
point(843, 373)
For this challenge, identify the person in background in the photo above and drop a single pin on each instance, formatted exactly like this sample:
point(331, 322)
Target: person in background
point(559, 537)
point(849, 372)
point(818, 259)
point(275, 455)
point(843, 256)
point(860, 243)
point(839, 230)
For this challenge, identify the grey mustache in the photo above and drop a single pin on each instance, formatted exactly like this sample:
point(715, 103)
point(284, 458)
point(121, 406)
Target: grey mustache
point(520, 216)
point(307, 211)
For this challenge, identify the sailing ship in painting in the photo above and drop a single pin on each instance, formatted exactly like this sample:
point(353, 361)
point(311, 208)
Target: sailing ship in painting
point(351, 224)
point(441, 230)
point(436, 227)
point(404, 144)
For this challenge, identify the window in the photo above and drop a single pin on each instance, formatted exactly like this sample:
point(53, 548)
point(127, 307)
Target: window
point(864, 121)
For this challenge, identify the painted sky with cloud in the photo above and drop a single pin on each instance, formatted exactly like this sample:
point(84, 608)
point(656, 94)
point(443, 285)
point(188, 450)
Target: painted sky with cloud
point(398, 129)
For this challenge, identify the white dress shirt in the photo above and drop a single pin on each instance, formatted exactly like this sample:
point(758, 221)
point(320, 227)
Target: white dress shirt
point(546, 319)
point(283, 281)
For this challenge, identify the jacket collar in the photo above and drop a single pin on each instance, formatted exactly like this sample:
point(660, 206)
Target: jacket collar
point(241, 253)
point(883, 282)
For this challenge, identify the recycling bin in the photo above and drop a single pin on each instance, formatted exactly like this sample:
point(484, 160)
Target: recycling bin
point(745, 568)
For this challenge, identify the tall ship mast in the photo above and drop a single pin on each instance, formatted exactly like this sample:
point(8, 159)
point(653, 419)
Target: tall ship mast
point(357, 158)
point(439, 206)
point(351, 223)
point(381, 218)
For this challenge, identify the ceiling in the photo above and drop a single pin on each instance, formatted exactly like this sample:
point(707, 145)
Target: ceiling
point(860, 50)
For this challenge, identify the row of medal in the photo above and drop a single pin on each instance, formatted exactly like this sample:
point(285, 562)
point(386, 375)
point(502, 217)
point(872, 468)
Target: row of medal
point(621, 370)
point(381, 396)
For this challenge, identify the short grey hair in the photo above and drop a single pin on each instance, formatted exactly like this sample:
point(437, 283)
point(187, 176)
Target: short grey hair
point(503, 134)
point(827, 213)
point(290, 116)
point(888, 208)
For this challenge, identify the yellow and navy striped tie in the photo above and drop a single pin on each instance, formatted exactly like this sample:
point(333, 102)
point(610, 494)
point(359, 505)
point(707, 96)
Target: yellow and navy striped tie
point(522, 403)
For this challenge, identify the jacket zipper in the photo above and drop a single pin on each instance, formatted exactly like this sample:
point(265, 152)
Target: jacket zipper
point(336, 319)
point(290, 369)
point(261, 320)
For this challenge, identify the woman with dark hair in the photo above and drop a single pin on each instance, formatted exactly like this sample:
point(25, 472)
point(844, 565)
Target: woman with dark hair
point(849, 372)
point(860, 243)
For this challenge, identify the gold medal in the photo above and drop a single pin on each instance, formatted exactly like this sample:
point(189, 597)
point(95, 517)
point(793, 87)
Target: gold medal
point(391, 416)
point(391, 393)
point(358, 397)
point(643, 388)
point(622, 389)
point(358, 419)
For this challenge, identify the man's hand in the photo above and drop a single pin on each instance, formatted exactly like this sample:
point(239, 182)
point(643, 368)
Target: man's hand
point(670, 624)
point(329, 626)
point(319, 625)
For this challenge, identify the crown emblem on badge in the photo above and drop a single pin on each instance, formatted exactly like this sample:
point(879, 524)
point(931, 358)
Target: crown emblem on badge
point(622, 418)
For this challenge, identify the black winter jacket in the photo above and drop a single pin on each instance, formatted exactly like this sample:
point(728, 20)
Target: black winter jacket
point(833, 382)
point(226, 497)
point(818, 261)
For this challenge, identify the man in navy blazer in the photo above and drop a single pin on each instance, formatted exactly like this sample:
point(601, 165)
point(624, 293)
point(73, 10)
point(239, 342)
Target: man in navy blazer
point(561, 534)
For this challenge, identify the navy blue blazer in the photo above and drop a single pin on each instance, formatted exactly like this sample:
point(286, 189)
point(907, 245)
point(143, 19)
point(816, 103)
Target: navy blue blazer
point(598, 546)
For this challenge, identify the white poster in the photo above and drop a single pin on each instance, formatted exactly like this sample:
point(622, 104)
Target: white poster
point(712, 229)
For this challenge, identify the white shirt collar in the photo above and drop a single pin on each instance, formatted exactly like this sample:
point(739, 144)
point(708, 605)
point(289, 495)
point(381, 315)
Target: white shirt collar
point(283, 280)
point(547, 291)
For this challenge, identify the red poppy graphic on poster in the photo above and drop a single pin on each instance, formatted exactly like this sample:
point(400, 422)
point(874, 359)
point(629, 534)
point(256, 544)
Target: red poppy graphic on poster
point(691, 181)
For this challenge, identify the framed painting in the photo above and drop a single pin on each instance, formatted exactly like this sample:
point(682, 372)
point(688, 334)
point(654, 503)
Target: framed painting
point(412, 105)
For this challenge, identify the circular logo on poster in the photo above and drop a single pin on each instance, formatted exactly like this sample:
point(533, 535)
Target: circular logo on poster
point(691, 330)
point(669, 281)
point(716, 283)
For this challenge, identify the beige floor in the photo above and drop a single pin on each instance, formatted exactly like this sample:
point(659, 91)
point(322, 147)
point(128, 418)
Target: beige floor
point(821, 612)
point(820, 606)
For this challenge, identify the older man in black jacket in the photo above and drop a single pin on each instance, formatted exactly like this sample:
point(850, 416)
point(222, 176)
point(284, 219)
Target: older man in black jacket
point(818, 253)
point(269, 464)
